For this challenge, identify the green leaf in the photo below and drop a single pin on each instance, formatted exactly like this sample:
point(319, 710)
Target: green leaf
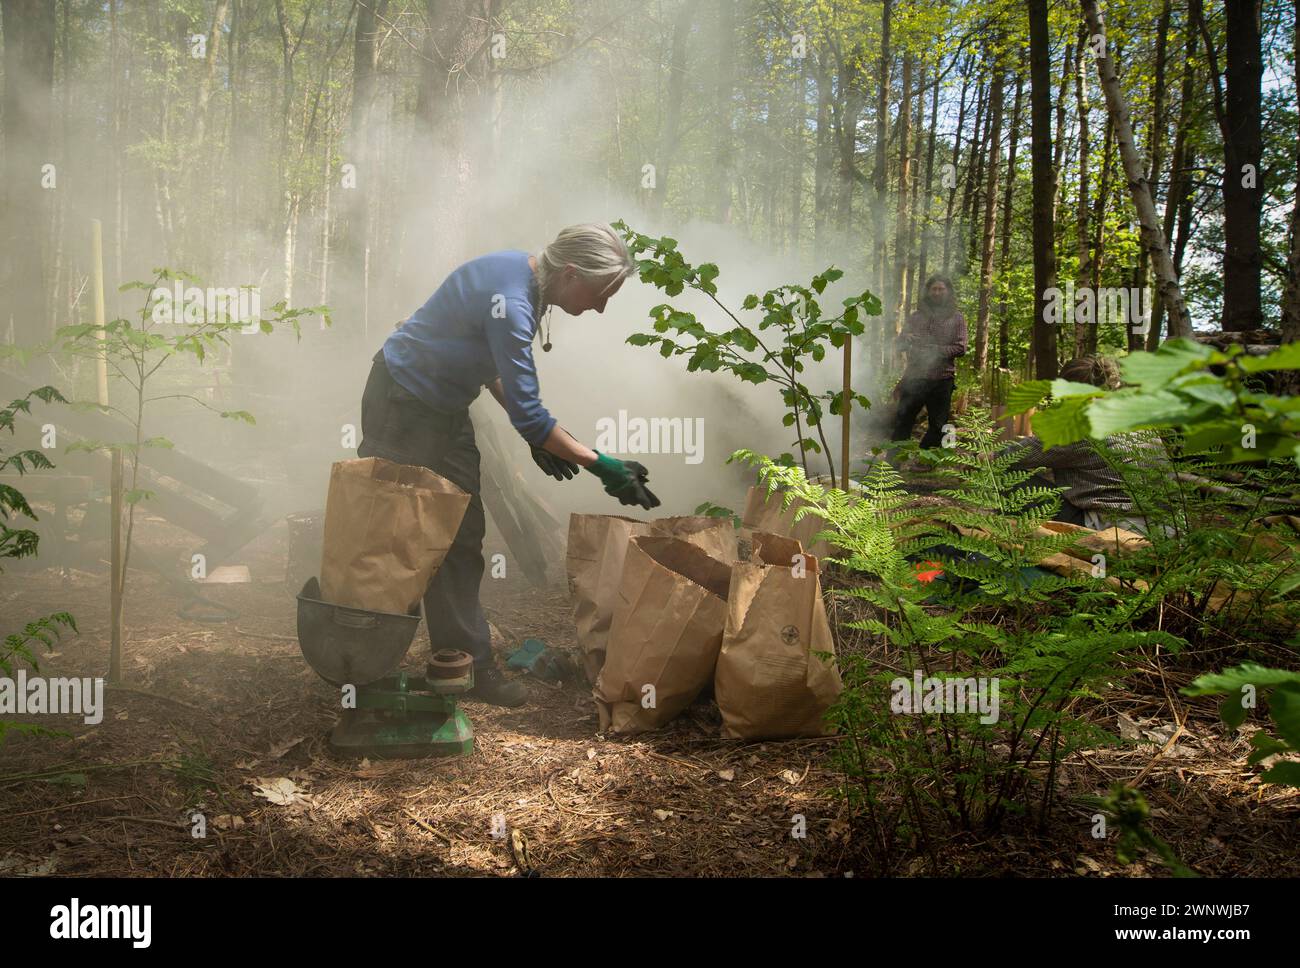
point(1070, 388)
point(1063, 422)
point(1133, 410)
point(1208, 389)
point(1286, 772)
point(1233, 710)
point(1172, 358)
point(1231, 680)
point(1023, 396)
point(1205, 436)
point(1284, 707)
point(1283, 358)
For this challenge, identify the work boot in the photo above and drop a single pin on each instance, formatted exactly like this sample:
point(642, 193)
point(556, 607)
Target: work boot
point(491, 687)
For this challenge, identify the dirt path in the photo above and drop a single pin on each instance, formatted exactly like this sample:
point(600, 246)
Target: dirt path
point(213, 710)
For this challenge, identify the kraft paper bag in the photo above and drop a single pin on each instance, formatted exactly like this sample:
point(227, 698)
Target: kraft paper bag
point(763, 512)
point(388, 528)
point(768, 683)
point(665, 634)
point(594, 563)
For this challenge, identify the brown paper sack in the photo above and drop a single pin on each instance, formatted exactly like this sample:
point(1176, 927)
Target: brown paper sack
point(763, 512)
point(388, 528)
point(594, 563)
point(768, 683)
point(666, 631)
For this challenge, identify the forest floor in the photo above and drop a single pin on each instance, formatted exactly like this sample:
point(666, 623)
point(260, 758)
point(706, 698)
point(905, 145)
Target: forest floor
point(211, 711)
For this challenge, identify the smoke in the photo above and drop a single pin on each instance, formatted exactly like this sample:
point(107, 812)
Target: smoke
point(512, 171)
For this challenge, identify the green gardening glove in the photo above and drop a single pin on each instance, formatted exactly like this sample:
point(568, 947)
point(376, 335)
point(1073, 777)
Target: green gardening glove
point(625, 480)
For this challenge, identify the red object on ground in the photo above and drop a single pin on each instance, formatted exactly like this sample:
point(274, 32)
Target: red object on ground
point(933, 571)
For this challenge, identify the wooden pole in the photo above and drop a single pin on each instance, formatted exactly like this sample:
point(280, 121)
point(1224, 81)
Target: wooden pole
point(115, 480)
point(847, 412)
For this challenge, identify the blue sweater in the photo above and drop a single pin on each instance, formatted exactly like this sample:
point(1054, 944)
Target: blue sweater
point(479, 325)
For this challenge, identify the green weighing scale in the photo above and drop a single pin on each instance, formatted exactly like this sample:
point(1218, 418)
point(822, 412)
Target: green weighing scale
point(396, 715)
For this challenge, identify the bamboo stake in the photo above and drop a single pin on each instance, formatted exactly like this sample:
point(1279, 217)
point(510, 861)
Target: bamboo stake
point(115, 479)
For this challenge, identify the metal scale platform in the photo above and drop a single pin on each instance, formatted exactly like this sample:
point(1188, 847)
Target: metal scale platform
point(397, 715)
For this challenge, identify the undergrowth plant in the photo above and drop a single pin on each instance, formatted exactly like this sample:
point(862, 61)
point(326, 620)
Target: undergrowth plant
point(1219, 559)
point(791, 333)
point(1242, 687)
point(1222, 561)
point(137, 351)
point(1043, 641)
point(23, 543)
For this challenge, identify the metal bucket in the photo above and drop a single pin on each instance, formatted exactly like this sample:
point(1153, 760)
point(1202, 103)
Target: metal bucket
point(351, 646)
point(306, 543)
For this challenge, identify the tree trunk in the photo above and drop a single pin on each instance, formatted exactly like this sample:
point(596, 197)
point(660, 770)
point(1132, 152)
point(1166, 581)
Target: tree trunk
point(1084, 275)
point(898, 298)
point(1044, 189)
point(879, 178)
point(1058, 141)
point(846, 139)
point(822, 164)
point(956, 158)
point(349, 293)
point(1289, 381)
point(1004, 317)
point(209, 73)
point(973, 167)
point(720, 172)
point(913, 205)
point(29, 32)
point(924, 214)
point(796, 156)
point(990, 222)
point(1238, 114)
point(1152, 234)
point(670, 133)
point(1178, 180)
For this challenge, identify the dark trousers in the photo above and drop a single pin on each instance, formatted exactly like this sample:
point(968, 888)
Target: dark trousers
point(397, 426)
point(935, 396)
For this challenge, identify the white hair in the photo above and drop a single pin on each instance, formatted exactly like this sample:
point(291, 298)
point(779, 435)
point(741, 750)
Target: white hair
point(594, 250)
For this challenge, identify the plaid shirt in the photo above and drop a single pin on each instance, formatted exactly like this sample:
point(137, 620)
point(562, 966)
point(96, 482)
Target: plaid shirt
point(933, 345)
point(1092, 484)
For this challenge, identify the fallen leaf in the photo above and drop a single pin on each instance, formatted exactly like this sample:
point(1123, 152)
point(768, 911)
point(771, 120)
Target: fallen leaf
point(591, 753)
point(727, 775)
point(227, 821)
point(281, 791)
point(1128, 727)
point(663, 814)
